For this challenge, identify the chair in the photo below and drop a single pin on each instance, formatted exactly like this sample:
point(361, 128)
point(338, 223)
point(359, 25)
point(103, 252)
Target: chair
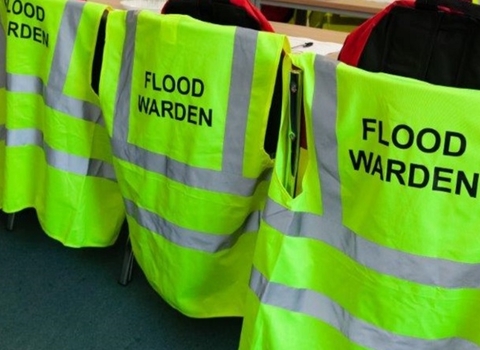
point(58, 156)
point(222, 14)
point(193, 185)
point(239, 13)
point(381, 243)
point(431, 40)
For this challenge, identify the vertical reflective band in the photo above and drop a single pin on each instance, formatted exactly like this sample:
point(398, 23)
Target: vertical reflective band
point(419, 269)
point(59, 159)
point(3, 58)
point(53, 97)
point(314, 304)
point(326, 147)
point(52, 93)
point(329, 229)
point(239, 99)
point(123, 98)
point(178, 171)
point(218, 181)
point(201, 241)
point(67, 35)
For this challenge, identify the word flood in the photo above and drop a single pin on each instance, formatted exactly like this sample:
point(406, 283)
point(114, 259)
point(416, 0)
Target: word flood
point(17, 7)
point(426, 140)
point(183, 85)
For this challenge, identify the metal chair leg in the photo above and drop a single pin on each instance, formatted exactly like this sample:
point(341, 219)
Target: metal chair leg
point(127, 266)
point(10, 221)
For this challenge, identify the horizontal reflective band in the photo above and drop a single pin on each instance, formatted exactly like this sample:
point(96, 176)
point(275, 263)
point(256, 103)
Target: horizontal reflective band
point(205, 242)
point(59, 159)
point(188, 175)
point(329, 228)
point(54, 98)
point(319, 306)
point(52, 93)
point(426, 270)
point(229, 179)
point(415, 268)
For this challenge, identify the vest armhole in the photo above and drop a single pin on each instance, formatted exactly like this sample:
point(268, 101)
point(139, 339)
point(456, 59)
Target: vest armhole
point(98, 54)
point(273, 124)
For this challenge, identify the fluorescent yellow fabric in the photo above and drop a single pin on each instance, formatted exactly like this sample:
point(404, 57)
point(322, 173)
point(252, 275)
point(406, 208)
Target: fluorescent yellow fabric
point(58, 148)
point(398, 269)
point(3, 102)
point(176, 246)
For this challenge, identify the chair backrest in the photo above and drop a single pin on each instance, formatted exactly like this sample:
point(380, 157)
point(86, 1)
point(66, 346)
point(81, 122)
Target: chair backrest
point(187, 118)
point(388, 204)
point(58, 155)
point(430, 40)
point(239, 13)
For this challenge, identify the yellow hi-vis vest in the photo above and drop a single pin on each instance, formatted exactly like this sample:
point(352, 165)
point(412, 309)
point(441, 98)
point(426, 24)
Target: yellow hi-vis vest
point(187, 113)
point(58, 154)
point(3, 103)
point(380, 248)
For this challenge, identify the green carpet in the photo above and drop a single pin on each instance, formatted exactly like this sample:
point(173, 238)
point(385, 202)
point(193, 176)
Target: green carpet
point(58, 298)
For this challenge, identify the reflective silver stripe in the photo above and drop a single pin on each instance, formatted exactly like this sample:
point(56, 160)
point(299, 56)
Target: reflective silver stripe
point(59, 159)
point(3, 58)
point(54, 99)
point(325, 100)
point(358, 331)
point(239, 100)
point(186, 174)
point(123, 99)
point(61, 63)
point(191, 176)
point(420, 269)
point(53, 92)
point(67, 35)
point(24, 137)
point(25, 83)
point(53, 96)
point(202, 241)
point(431, 271)
point(415, 268)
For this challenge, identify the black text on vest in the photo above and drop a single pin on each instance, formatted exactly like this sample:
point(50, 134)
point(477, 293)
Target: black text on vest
point(27, 12)
point(167, 107)
point(424, 142)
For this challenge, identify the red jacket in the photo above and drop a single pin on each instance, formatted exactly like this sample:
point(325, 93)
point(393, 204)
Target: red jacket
point(277, 14)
